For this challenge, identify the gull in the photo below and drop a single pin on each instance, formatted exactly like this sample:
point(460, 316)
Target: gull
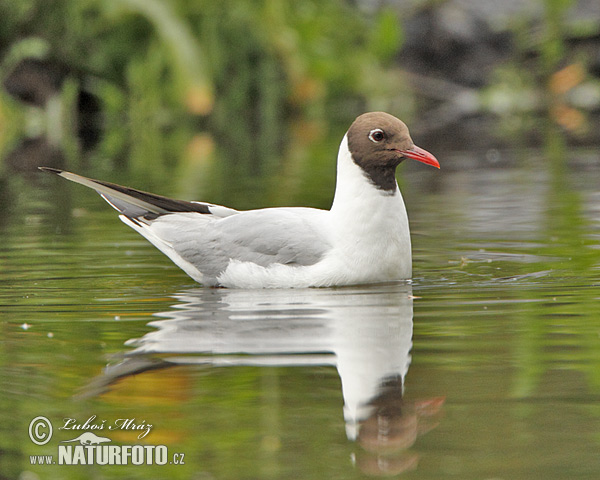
point(363, 238)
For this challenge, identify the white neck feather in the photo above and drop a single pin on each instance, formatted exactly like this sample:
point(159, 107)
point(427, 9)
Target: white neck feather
point(369, 223)
point(354, 187)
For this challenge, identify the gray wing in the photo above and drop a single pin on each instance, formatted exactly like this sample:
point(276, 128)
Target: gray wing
point(289, 236)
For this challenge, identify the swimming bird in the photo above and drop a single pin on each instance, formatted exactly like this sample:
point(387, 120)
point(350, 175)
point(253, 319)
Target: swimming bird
point(364, 237)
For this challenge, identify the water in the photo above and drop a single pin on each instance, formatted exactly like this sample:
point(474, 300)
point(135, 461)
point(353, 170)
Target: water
point(487, 366)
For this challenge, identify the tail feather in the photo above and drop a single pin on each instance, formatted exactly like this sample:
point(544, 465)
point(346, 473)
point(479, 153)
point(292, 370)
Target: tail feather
point(131, 202)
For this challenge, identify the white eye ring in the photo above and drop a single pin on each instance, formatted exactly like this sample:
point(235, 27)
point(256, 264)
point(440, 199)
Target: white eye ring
point(377, 135)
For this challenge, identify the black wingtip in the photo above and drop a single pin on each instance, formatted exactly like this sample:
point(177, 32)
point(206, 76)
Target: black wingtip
point(51, 170)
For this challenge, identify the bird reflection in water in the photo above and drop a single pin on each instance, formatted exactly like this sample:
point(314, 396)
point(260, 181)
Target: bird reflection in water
point(393, 427)
point(365, 333)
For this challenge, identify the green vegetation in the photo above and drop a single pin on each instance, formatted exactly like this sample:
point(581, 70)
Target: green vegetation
point(168, 73)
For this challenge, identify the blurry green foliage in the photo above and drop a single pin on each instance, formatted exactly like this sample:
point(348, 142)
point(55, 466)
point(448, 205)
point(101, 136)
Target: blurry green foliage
point(549, 76)
point(166, 69)
point(552, 47)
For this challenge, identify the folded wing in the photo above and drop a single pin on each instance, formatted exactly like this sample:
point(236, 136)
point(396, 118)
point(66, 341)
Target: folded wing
point(203, 238)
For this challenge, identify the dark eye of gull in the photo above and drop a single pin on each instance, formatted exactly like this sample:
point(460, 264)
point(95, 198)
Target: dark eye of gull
point(376, 135)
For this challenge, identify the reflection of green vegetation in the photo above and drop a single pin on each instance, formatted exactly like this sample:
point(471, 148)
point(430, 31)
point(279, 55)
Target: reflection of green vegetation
point(544, 307)
point(497, 347)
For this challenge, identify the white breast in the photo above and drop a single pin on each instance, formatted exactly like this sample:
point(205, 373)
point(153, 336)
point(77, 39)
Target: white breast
point(370, 226)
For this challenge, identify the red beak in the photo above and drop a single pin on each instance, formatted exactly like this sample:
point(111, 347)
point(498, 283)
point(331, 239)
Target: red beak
point(420, 155)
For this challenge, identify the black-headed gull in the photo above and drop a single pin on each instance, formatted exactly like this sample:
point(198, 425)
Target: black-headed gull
point(364, 237)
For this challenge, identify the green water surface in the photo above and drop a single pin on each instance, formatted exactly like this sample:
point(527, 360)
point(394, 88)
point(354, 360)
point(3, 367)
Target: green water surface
point(487, 366)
